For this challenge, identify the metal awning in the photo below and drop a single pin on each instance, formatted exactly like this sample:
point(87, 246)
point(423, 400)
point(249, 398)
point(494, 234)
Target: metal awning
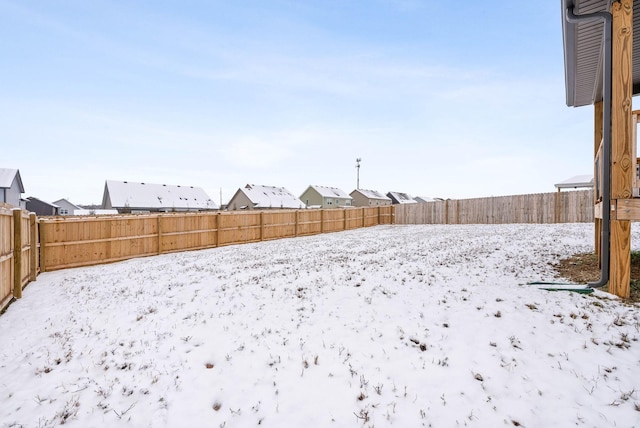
point(583, 52)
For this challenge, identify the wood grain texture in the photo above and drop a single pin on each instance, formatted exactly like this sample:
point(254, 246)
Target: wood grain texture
point(622, 165)
point(622, 162)
point(620, 276)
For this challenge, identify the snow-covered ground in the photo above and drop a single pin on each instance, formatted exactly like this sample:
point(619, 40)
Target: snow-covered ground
point(402, 326)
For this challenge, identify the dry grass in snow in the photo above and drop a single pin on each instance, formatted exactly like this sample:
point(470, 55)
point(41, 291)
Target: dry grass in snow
point(401, 326)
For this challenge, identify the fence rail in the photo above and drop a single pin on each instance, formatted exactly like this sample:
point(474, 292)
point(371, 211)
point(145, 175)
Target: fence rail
point(557, 207)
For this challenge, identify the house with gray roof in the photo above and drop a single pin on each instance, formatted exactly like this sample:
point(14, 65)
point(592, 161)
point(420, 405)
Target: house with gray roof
point(66, 207)
point(425, 199)
point(40, 207)
point(325, 197)
point(11, 188)
point(69, 208)
point(259, 197)
point(131, 197)
point(401, 198)
point(369, 198)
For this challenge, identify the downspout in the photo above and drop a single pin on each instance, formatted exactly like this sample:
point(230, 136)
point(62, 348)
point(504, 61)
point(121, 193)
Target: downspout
point(605, 241)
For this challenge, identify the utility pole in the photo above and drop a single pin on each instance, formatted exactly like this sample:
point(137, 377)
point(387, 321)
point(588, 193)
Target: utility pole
point(358, 160)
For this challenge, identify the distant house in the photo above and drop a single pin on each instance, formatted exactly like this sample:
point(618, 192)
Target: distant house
point(41, 207)
point(11, 188)
point(130, 197)
point(369, 198)
point(423, 199)
point(258, 197)
point(575, 182)
point(325, 197)
point(66, 207)
point(94, 211)
point(401, 198)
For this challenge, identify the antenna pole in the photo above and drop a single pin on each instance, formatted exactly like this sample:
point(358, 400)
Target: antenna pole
point(358, 160)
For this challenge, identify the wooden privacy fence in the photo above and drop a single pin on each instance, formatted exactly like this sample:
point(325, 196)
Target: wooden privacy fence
point(557, 207)
point(18, 252)
point(67, 242)
point(51, 243)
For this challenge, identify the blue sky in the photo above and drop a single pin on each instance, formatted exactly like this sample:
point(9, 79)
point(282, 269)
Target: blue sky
point(443, 100)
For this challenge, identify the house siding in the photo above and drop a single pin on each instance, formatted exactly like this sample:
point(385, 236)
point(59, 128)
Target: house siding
point(238, 201)
point(360, 200)
point(11, 195)
point(65, 207)
point(312, 198)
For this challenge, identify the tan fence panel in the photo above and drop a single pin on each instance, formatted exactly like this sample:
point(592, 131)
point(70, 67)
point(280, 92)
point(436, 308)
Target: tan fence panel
point(386, 214)
point(333, 220)
point(564, 207)
point(18, 252)
point(187, 231)
point(353, 218)
point(278, 224)
point(84, 241)
point(239, 228)
point(309, 222)
point(6, 256)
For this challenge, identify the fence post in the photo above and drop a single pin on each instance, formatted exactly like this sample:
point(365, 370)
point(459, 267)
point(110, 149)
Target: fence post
point(344, 218)
point(364, 223)
point(42, 236)
point(33, 247)
point(296, 222)
point(217, 217)
point(321, 221)
point(219, 240)
point(159, 234)
point(261, 225)
point(17, 253)
point(446, 212)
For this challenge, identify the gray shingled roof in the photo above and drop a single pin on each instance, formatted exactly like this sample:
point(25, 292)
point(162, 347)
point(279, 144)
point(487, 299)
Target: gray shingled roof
point(7, 175)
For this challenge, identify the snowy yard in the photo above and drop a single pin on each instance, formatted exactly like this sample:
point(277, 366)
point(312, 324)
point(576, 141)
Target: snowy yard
point(402, 326)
